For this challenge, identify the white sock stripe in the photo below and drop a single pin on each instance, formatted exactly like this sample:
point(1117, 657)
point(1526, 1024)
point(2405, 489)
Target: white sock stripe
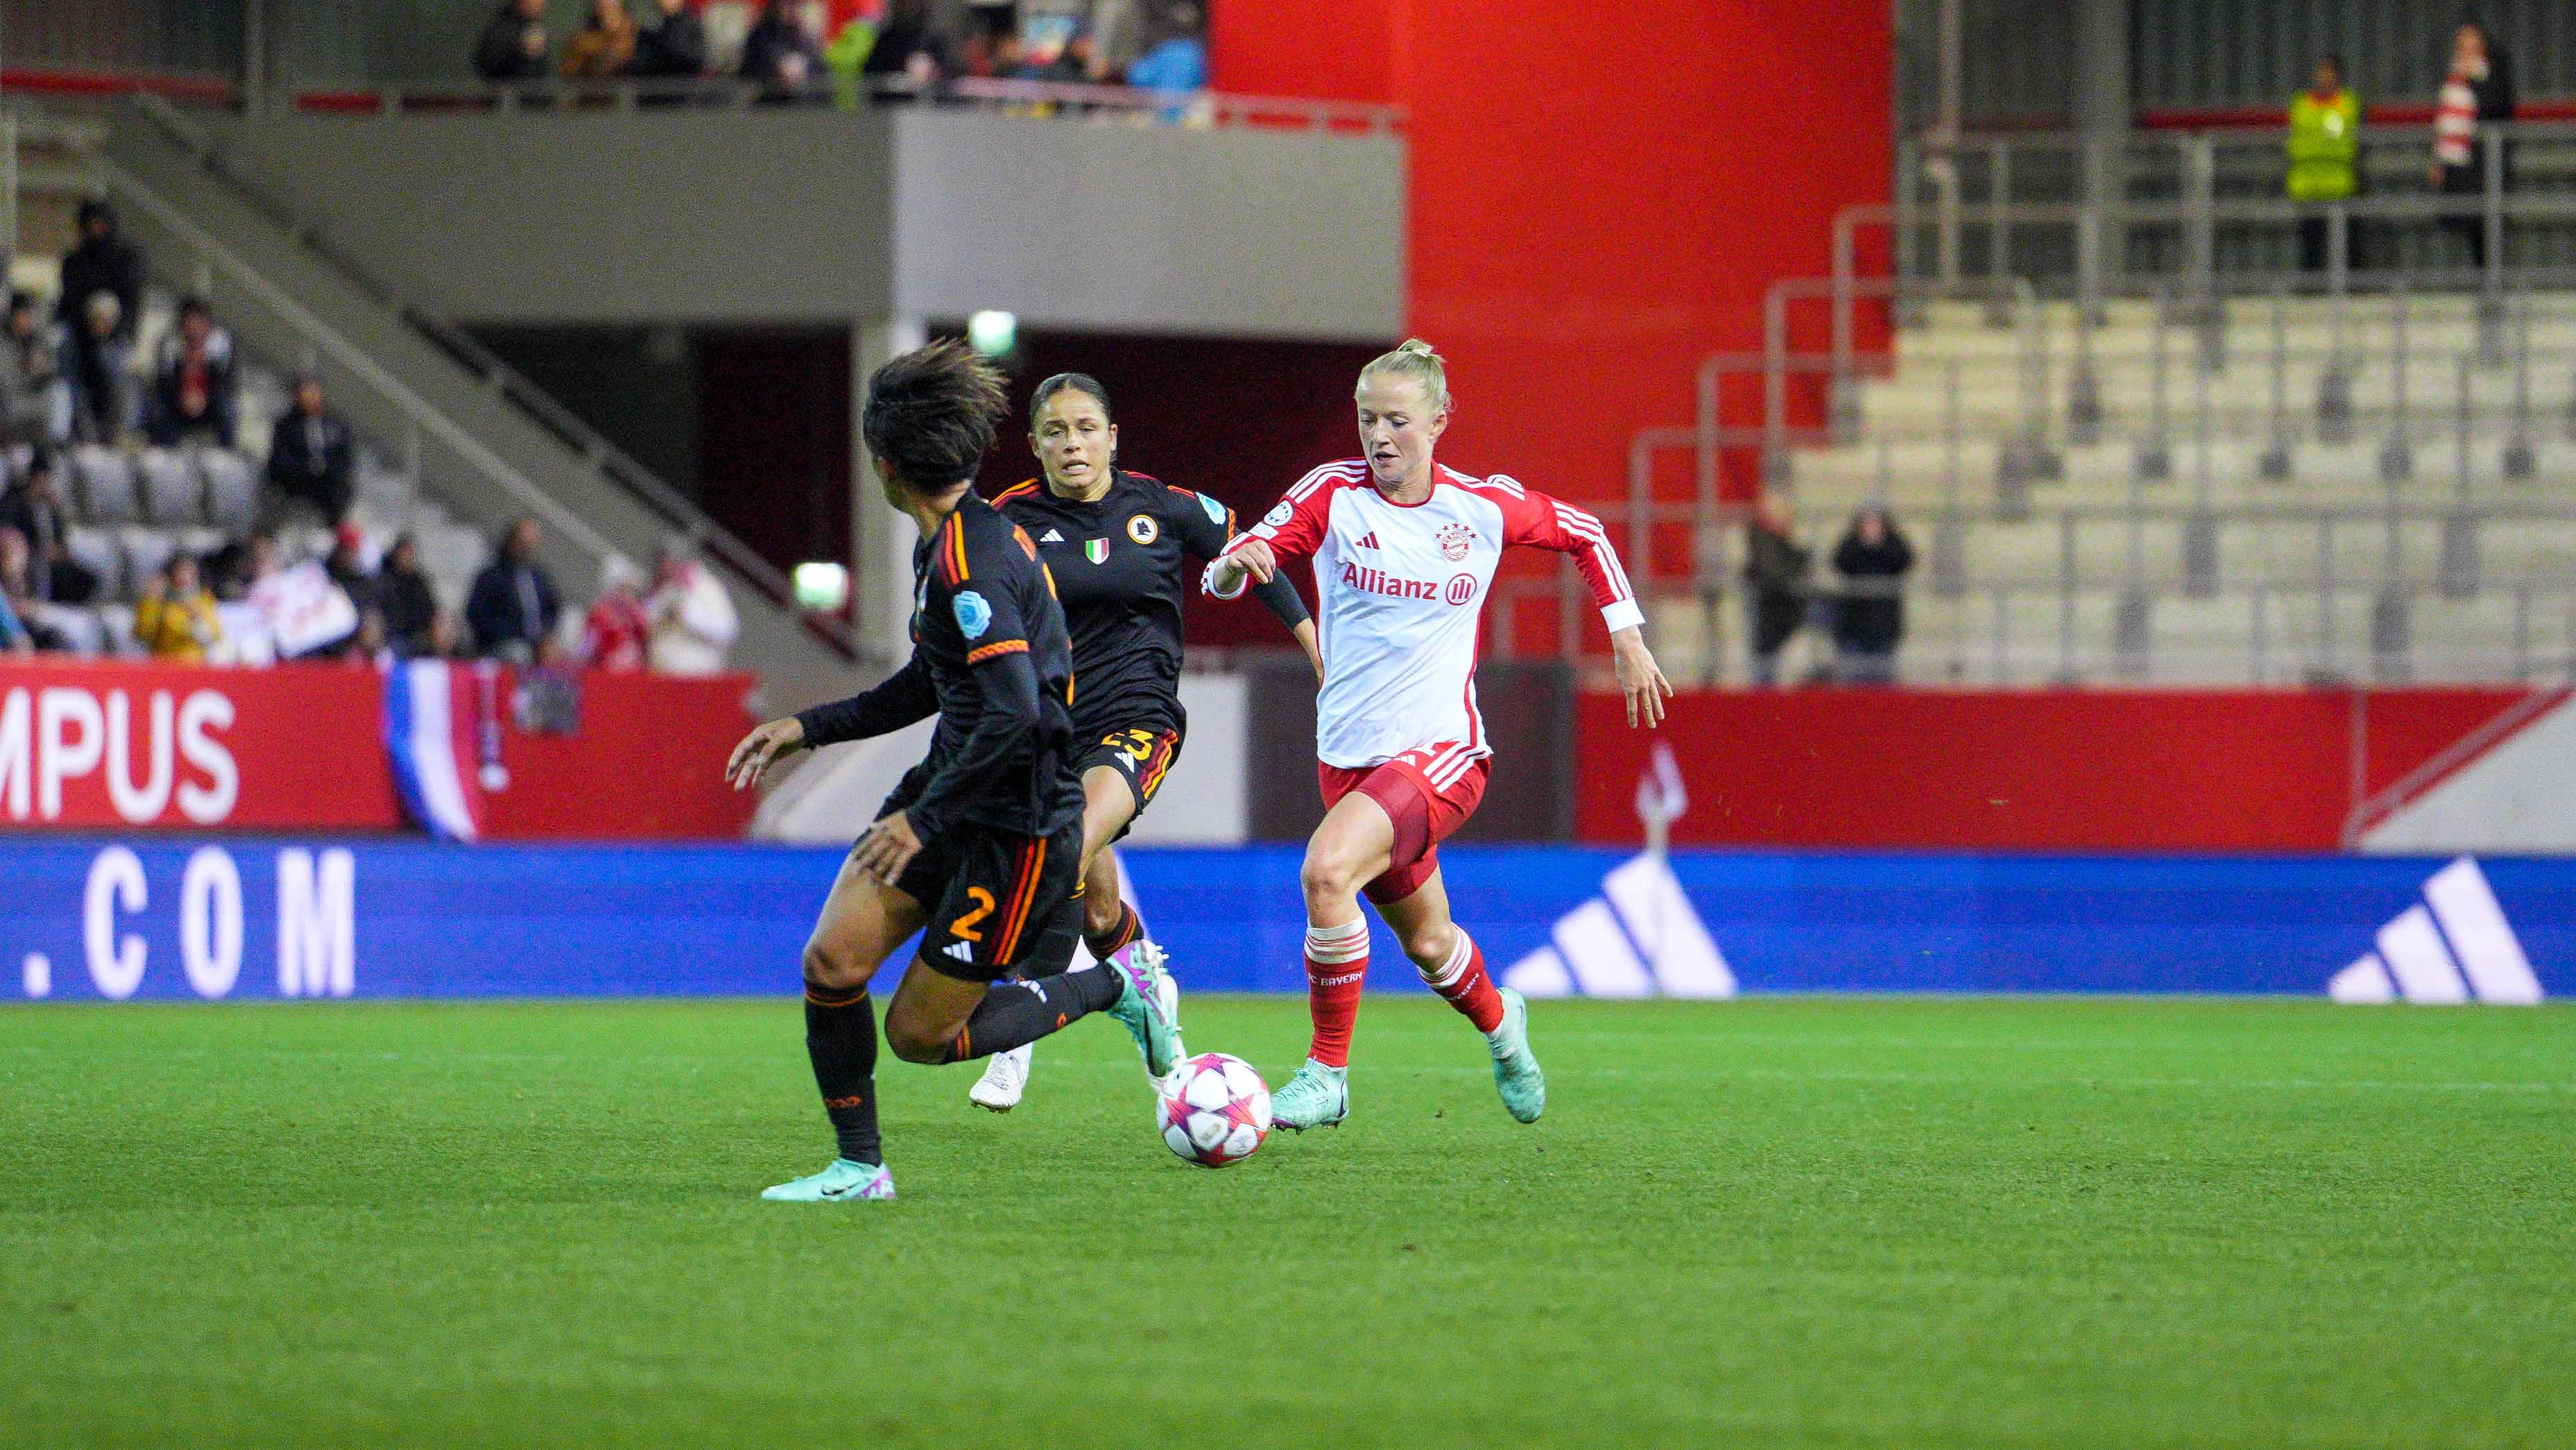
point(1448, 972)
point(1331, 945)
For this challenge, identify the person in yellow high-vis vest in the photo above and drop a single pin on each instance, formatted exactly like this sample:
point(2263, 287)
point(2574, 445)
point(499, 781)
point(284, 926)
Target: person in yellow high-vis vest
point(2325, 153)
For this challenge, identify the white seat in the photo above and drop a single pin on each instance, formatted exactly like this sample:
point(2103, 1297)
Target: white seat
point(147, 552)
point(80, 628)
point(172, 491)
point(116, 629)
point(106, 485)
point(232, 490)
point(95, 550)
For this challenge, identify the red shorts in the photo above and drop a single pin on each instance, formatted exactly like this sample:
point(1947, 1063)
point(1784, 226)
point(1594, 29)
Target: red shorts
point(1424, 814)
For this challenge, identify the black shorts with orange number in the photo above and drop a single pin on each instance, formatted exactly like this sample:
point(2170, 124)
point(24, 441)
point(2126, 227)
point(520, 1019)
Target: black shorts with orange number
point(998, 905)
point(1140, 745)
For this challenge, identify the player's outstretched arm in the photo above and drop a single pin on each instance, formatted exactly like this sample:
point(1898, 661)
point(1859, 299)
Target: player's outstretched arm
point(897, 701)
point(1641, 680)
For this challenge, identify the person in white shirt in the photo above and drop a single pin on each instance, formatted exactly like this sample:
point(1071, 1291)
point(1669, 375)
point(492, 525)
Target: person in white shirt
point(1405, 551)
point(692, 618)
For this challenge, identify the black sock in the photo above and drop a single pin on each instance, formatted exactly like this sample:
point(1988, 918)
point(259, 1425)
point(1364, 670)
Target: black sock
point(1014, 1014)
point(841, 1037)
point(1130, 926)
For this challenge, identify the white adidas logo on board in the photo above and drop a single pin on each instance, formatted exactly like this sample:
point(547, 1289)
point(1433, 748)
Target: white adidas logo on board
point(2454, 946)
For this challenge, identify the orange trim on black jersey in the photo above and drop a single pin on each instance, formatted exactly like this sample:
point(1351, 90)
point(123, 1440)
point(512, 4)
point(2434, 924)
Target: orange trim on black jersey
point(956, 550)
point(1032, 865)
point(997, 647)
point(1017, 490)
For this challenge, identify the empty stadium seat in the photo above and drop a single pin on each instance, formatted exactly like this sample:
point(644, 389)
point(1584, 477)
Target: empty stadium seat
point(147, 552)
point(107, 487)
point(95, 550)
point(173, 493)
point(116, 629)
point(232, 490)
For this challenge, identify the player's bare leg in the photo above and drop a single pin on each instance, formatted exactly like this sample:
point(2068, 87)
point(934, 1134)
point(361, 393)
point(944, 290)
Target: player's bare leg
point(1452, 966)
point(1108, 804)
point(1353, 846)
point(863, 922)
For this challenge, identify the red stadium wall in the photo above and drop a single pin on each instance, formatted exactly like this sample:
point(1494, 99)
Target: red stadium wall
point(302, 748)
point(1599, 196)
point(2158, 770)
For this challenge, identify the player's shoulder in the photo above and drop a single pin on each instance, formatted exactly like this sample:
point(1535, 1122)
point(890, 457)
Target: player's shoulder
point(1020, 495)
point(1181, 502)
point(1340, 473)
point(981, 542)
point(1494, 485)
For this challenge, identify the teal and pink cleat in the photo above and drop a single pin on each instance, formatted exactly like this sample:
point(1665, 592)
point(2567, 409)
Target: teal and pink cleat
point(1516, 1073)
point(841, 1182)
point(1317, 1097)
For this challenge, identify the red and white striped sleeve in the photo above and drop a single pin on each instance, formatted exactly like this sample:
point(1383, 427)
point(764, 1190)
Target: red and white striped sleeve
point(1531, 517)
point(1295, 525)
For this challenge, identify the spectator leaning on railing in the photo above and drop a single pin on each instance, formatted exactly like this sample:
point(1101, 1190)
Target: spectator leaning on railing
point(1869, 619)
point(513, 45)
point(513, 605)
point(2324, 148)
point(2477, 92)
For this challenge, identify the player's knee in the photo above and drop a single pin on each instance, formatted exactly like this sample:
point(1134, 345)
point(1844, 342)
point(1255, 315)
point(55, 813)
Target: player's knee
point(1429, 946)
point(909, 1038)
point(1101, 912)
point(833, 967)
point(1330, 873)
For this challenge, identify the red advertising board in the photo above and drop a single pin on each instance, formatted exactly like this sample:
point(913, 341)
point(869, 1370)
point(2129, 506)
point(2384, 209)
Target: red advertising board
point(88, 745)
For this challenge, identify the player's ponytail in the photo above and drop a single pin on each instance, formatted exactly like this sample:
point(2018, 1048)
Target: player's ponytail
point(1415, 360)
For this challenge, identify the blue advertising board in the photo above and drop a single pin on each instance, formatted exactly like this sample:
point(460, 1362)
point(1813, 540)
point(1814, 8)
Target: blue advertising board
point(252, 917)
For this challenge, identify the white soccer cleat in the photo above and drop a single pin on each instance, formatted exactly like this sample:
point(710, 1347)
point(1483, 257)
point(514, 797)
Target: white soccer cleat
point(1006, 1076)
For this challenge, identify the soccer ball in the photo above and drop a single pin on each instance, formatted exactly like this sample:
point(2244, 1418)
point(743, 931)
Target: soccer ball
point(1215, 1110)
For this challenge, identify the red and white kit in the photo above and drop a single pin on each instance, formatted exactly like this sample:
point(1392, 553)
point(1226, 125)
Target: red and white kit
point(1403, 591)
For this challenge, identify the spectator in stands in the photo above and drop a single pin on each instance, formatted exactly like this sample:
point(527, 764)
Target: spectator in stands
point(175, 619)
point(909, 46)
point(1177, 62)
point(1869, 619)
point(14, 639)
point(783, 53)
point(103, 262)
point(513, 605)
point(1119, 35)
point(446, 636)
point(347, 566)
point(22, 629)
point(192, 391)
point(34, 507)
point(1775, 574)
point(693, 618)
point(513, 46)
point(2325, 150)
point(311, 457)
point(614, 634)
point(404, 596)
point(35, 400)
point(102, 394)
point(604, 47)
point(2477, 92)
point(674, 49)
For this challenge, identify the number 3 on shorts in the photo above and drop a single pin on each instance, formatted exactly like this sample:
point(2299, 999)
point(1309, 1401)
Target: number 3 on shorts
point(965, 925)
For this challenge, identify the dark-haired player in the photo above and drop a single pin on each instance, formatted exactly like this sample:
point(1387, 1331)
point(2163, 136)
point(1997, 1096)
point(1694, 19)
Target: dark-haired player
point(980, 846)
point(1118, 545)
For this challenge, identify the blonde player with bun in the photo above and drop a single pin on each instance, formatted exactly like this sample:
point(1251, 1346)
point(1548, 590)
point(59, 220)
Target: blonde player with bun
point(1405, 550)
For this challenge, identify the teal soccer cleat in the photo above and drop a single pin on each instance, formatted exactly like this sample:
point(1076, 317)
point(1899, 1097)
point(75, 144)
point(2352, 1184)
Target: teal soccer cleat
point(1317, 1097)
point(1143, 1006)
point(841, 1182)
point(1516, 1073)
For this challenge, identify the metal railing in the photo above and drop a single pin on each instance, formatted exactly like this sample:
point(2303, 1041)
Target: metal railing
point(603, 457)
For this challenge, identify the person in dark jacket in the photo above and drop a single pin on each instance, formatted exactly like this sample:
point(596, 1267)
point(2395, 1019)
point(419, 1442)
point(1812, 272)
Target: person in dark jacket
point(1873, 559)
point(1775, 573)
point(103, 262)
point(409, 605)
point(192, 385)
point(782, 55)
point(35, 401)
point(311, 457)
point(2478, 92)
point(674, 49)
point(909, 46)
point(34, 507)
point(513, 606)
point(514, 45)
point(102, 294)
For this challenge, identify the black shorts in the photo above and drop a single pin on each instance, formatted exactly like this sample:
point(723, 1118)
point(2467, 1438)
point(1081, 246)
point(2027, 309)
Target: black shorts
point(1140, 744)
point(997, 904)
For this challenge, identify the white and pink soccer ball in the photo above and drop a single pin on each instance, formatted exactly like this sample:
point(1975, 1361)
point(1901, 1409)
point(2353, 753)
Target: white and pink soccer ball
point(1215, 1110)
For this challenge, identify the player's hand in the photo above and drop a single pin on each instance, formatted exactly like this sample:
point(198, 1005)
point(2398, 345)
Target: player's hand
point(887, 848)
point(764, 745)
point(1641, 680)
point(1252, 559)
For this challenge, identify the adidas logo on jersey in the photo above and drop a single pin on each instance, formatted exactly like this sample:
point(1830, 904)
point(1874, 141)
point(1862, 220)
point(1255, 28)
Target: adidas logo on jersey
point(1050, 537)
point(2454, 946)
point(1367, 540)
point(959, 951)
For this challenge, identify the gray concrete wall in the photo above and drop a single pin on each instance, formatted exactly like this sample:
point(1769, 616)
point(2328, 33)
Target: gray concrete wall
point(765, 215)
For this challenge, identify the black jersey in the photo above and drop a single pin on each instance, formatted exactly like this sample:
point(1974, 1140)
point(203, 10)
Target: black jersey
point(1118, 563)
point(990, 656)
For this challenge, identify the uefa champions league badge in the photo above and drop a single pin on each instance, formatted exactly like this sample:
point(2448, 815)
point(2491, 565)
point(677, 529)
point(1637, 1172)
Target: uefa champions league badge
point(1214, 510)
point(1279, 515)
point(974, 615)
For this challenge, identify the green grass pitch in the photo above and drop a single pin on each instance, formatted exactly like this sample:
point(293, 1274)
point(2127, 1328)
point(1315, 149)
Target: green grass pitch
point(1779, 1221)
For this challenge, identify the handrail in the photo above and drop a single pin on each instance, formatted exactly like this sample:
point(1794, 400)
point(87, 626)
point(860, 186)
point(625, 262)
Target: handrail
point(604, 457)
point(2394, 796)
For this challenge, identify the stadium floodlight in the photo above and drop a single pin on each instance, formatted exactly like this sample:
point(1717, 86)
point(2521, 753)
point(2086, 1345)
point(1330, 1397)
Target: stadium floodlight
point(821, 585)
point(993, 333)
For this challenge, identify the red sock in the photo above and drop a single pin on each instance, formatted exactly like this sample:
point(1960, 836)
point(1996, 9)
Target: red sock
point(1461, 980)
point(1336, 962)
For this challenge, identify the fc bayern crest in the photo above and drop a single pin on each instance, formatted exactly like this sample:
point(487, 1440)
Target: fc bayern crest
point(1454, 539)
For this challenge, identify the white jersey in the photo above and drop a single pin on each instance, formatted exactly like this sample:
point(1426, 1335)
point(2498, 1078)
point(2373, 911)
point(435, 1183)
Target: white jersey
point(1402, 590)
